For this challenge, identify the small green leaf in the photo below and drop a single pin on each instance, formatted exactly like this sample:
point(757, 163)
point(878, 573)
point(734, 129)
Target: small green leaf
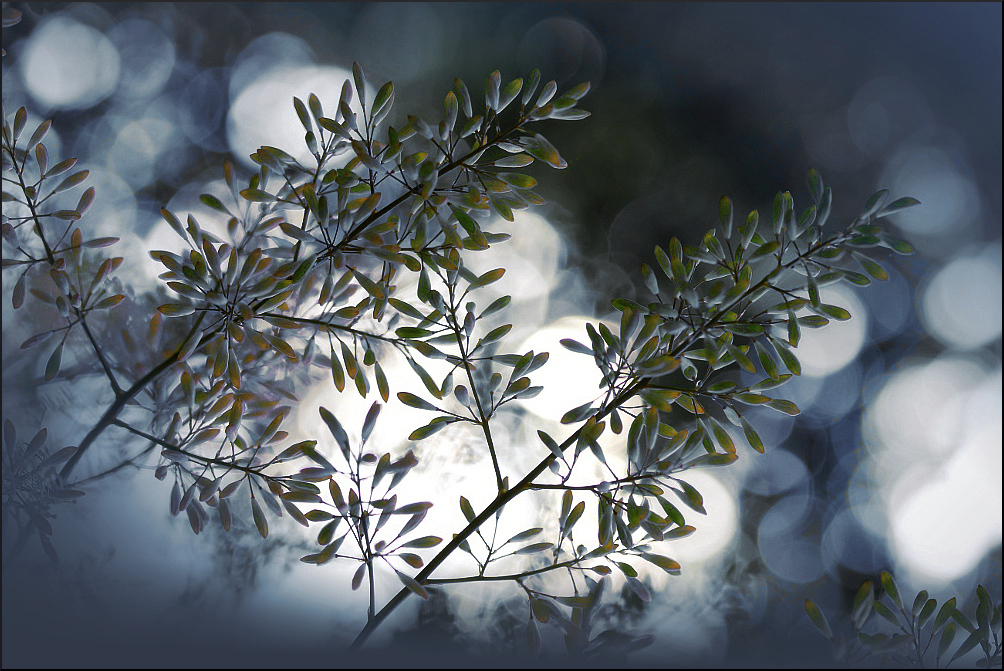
point(918, 603)
point(944, 614)
point(487, 278)
point(886, 613)
point(834, 311)
point(873, 204)
point(534, 548)
point(496, 334)
point(751, 435)
point(691, 497)
point(665, 563)
point(896, 206)
point(467, 509)
point(414, 401)
point(432, 427)
point(815, 184)
point(725, 214)
point(862, 606)
point(890, 587)
point(926, 612)
point(523, 535)
point(787, 407)
point(767, 361)
point(818, 619)
point(357, 577)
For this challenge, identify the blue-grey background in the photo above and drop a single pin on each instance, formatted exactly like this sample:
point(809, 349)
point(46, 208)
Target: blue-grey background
point(690, 101)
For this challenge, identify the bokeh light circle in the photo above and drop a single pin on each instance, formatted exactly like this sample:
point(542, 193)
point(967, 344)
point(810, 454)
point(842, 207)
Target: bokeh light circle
point(943, 527)
point(147, 57)
point(569, 379)
point(950, 200)
point(68, 65)
point(263, 114)
point(962, 304)
point(783, 549)
point(826, 350)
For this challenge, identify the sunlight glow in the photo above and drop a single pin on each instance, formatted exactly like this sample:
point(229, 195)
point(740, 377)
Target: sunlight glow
point(134, 153)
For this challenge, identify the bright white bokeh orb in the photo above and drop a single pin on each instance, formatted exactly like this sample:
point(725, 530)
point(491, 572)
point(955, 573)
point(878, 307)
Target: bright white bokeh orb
point(67, 65)
point(934, 468)
point(962, 304)
point(920, 410)
point(569, 379)
point(944, 527)
point(262, 113)
point(826, 350)
point(716, 531)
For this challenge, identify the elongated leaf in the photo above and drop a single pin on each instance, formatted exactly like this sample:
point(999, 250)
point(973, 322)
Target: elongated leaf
point(414, 401)
point(691, 497)
point(896, 206)
point(665, 563)
point(818, 619)
point(862, 607)
point(259, 518)
point(944, 614)
point(357, 577)
point(890, 587)
point(971, 642)
point(487, 278)
point(946, 639)
point(413, 585)
point(467, 509)
point(52, 366)
point(534, 548)
point(335, 427)
point(370, 421)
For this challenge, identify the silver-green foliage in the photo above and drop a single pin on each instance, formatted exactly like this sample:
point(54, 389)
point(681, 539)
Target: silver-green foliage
point(911, 637)
point(307, 276)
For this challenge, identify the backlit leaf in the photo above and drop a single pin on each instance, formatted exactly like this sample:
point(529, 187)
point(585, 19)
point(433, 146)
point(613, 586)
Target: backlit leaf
point(413, 585)
point(818, 619)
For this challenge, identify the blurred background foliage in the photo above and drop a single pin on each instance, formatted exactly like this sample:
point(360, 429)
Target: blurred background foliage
point(895, 463)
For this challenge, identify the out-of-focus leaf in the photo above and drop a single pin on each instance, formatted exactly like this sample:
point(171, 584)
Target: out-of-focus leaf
point(896, 206)
point(52, 366)
point(818, 619)
point(946, 639)
point(890, 587)
point(259, 518)
point(971, 642)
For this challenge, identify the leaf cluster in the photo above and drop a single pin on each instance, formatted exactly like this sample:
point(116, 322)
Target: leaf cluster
point(911, 632)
